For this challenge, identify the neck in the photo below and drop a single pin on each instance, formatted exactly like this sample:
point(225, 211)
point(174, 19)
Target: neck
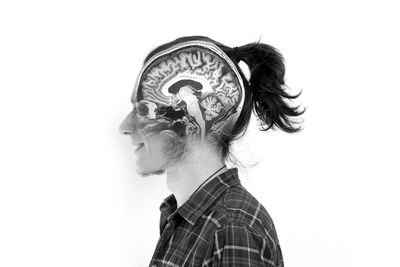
point(186, 176)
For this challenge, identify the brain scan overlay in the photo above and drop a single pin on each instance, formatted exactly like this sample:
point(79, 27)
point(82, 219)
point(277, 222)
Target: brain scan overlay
point(189, 91)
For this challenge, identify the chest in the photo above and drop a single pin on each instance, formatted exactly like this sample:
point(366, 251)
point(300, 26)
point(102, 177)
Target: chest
point(184, 245)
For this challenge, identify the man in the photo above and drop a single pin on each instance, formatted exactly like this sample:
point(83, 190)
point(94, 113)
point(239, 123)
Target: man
point(209, 219)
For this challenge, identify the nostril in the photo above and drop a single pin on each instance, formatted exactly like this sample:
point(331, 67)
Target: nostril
point(123, 130)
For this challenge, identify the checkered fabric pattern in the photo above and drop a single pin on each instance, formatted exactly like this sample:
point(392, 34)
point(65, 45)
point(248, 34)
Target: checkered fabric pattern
point(221, 225)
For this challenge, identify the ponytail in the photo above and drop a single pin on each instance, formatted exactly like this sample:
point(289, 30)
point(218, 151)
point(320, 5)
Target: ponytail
point(265, 91)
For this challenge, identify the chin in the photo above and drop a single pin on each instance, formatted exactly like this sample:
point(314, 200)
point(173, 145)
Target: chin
point(149, 170)
point(152, 163)
point(149, 173)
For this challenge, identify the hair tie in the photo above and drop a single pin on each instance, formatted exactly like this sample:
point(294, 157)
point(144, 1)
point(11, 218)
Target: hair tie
point(245, 69)
point(236, 55)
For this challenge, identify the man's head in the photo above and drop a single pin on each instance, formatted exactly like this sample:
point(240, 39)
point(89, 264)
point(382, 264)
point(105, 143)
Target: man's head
point(188, 91)
point(192, 91)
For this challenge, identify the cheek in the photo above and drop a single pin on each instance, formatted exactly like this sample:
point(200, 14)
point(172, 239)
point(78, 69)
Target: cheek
point(151, 156)
point(156, 146)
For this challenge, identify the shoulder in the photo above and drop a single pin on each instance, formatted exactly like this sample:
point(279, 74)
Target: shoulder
point(240, 209)
point(246, 235)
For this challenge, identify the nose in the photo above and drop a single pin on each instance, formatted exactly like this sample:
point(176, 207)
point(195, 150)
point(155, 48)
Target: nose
point(127, 126)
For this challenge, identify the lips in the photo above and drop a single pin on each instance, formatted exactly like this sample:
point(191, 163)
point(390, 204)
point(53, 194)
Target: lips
point(139, 146)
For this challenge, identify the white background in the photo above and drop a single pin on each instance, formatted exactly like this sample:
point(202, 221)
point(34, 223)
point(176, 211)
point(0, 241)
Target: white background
point(69, 195)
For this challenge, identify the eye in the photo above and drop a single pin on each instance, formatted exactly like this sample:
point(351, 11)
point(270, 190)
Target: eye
point(142, 110)
point(146, 109)
point(141, 117)
point(140, 113)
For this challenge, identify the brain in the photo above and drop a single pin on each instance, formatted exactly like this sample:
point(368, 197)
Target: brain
point(200, 65)
point(204, 86)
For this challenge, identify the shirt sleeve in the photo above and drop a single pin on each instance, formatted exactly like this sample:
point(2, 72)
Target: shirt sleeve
point(235, 246)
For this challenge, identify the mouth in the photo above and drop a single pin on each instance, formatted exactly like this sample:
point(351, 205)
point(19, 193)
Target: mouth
point(139, 146)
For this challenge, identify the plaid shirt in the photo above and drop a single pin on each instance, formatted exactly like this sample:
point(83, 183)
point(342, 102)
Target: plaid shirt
point(221, 225)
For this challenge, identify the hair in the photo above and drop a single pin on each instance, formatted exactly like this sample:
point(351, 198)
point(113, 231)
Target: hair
point(265, 93)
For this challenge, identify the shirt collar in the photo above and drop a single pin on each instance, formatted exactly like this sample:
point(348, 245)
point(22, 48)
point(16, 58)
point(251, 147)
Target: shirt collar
point(194, 207)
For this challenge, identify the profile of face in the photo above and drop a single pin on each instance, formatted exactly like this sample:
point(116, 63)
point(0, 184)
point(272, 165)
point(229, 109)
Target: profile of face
point(156, 149)
point(189, 93)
